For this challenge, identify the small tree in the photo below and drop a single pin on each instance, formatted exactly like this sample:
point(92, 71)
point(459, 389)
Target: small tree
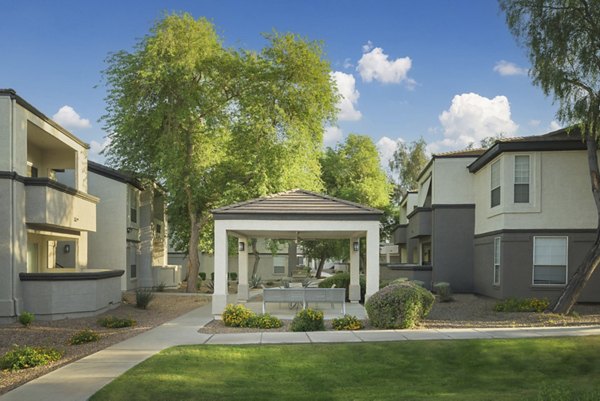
point(406, 165)
point(563, 41)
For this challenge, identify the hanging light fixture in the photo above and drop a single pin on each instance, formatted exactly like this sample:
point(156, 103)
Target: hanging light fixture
point(241, 246)
point(355, 246)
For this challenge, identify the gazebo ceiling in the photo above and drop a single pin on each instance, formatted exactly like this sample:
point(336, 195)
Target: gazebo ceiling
point(297, 235)
point(297, 204)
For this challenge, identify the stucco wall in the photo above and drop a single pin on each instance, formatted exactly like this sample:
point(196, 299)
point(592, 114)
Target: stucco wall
point(516, 265)
point(452, 182)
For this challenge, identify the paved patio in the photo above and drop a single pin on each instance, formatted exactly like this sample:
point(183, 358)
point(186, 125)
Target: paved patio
point(81, 379)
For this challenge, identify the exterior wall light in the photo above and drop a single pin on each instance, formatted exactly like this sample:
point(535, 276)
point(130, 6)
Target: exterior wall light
point(241, 246)
point(355, 246)
point(67, 248)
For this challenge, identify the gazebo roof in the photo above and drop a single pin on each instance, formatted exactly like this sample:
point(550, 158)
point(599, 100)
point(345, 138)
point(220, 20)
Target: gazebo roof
point(297, 204)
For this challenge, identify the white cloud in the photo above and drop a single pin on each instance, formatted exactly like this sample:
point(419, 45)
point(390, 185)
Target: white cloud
point(471, 118)
point(95, 149)
point(554, 126)
point(68, 118)
point(374, 65)
point(534, 123)
point(346, 86)
point(506, 68)
point(332, 136)
point(367, 47)
point(347, 63)
point(386, 147)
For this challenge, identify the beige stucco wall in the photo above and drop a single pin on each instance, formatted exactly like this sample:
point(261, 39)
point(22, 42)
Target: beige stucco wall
point(46, 205)
point(407, 206)
point(452, 183)
point(560, 194)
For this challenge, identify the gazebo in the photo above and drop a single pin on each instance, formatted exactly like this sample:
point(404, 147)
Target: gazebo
point(295, 214)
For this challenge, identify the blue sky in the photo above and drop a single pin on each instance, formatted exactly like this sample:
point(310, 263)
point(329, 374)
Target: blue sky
point(446, 70)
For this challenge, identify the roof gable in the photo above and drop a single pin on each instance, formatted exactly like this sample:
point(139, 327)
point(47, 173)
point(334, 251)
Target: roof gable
point(297, 203)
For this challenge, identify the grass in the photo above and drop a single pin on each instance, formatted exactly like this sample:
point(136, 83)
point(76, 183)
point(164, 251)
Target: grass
point(410, 370)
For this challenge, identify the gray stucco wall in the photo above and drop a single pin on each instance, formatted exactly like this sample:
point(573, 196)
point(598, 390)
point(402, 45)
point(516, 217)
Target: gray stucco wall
point(452, 246)
point(516, 265)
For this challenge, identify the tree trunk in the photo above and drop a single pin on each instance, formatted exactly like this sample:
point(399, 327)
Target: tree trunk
point(566, 301)
point(292, 257)
point(320, 268)
point(256, 257)
point(194, 264)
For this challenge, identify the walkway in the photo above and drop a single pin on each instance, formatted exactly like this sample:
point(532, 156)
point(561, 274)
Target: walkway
point(79, 380)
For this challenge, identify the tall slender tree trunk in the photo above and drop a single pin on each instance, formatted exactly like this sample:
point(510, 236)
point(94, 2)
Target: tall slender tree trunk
point(566, 301)
point(320, 267)
point(194, 266)
point(256, 257)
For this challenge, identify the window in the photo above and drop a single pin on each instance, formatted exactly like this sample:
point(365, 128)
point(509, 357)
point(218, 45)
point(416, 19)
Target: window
point(495, 184)
point(550, 260)
point(496, 261)
point(279, 263)
point(426, 253)
point(158, 228)
point(132, 260)
point(133, 205)
point(521, 179)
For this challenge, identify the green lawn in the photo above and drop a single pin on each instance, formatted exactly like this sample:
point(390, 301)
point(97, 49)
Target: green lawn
point(409, 370)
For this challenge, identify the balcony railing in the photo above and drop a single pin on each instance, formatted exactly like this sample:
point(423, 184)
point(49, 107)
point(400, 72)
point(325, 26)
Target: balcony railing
point(53, 204)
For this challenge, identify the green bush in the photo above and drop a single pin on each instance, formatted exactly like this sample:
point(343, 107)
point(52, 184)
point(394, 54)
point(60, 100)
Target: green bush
point(265, 321)
point(143, 296)
point(233, 276)
point(347, 322)
point(161, 287)
point(444, 291)
point(84, 336)
point(23, 357)
point(342, 280)
point(202, 275)
point(212, 276)
point(198, 283)
point(522, 305)
point(255, 281)
point(308, 320)
point(113, 322)
point(236, 315)
point(399, 306)
point(26, 318)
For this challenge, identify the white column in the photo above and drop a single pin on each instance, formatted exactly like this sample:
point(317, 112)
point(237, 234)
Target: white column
point(372, 259)
point(354, 289)
point(219, 298)
point(242, 270)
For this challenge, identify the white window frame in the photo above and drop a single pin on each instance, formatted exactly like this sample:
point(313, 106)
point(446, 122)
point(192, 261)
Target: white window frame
point(515, 183)
point(278, 258)
point(497, 263)
point(533, 283)
point(499, 186)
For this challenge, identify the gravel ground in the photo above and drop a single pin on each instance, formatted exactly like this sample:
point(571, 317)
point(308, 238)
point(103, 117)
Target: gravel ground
point(56, 334)
point(466, 311)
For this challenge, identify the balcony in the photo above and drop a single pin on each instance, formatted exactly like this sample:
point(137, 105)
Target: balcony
point(419, 222)
point(52, 204)
point(400, 234)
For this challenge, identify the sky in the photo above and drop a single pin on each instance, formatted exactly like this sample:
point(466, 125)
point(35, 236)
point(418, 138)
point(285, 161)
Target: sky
point(445, 70)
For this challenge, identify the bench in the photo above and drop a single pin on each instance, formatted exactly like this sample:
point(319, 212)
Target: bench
point(305, 296)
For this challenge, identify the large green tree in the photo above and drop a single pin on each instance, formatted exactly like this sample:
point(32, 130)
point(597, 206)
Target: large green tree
point(216, 125)
point(562, 38)
point(406, 165)
point(352, 171)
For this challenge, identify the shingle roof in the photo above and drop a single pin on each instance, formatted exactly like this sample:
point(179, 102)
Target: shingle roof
point(462, 153)
point(298, 203)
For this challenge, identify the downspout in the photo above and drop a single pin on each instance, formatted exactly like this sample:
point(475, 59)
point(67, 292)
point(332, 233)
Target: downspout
point(12, 204)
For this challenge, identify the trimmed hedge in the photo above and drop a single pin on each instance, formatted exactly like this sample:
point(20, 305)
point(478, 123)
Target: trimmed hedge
point(342, 280)
point(399, 306)
point(308, 320)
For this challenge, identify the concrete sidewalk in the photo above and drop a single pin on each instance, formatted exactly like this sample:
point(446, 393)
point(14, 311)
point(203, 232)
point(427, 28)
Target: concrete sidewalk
point(81, 379)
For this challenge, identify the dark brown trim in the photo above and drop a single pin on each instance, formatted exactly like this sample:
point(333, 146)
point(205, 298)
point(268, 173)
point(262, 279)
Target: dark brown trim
point(11, 175)
point(417, 210)
point(74, 276)
point(410, 267)
point(525, 146)
point(453, 206)
point(113, 174)
point(25, 104)
point(54, 229)
point(47, 182)
point(295, 216)
point(536, 231)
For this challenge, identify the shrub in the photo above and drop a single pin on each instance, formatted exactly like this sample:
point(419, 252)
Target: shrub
point(202, 276)
point(255, 281)
point(399, 306)
point(160, 287)
point(26, 318)
point(522, 305)
point(22, 357)
point(444, 291)
point(199, 284)
point(347, 322)
point(113, 322)
point(342, 280)
point(265, 321)
point(233, 276)
point(84, 336)
point(143, 296)
point(308, 320)
point(211, 286)
point(212, 276)
point(236, 315)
